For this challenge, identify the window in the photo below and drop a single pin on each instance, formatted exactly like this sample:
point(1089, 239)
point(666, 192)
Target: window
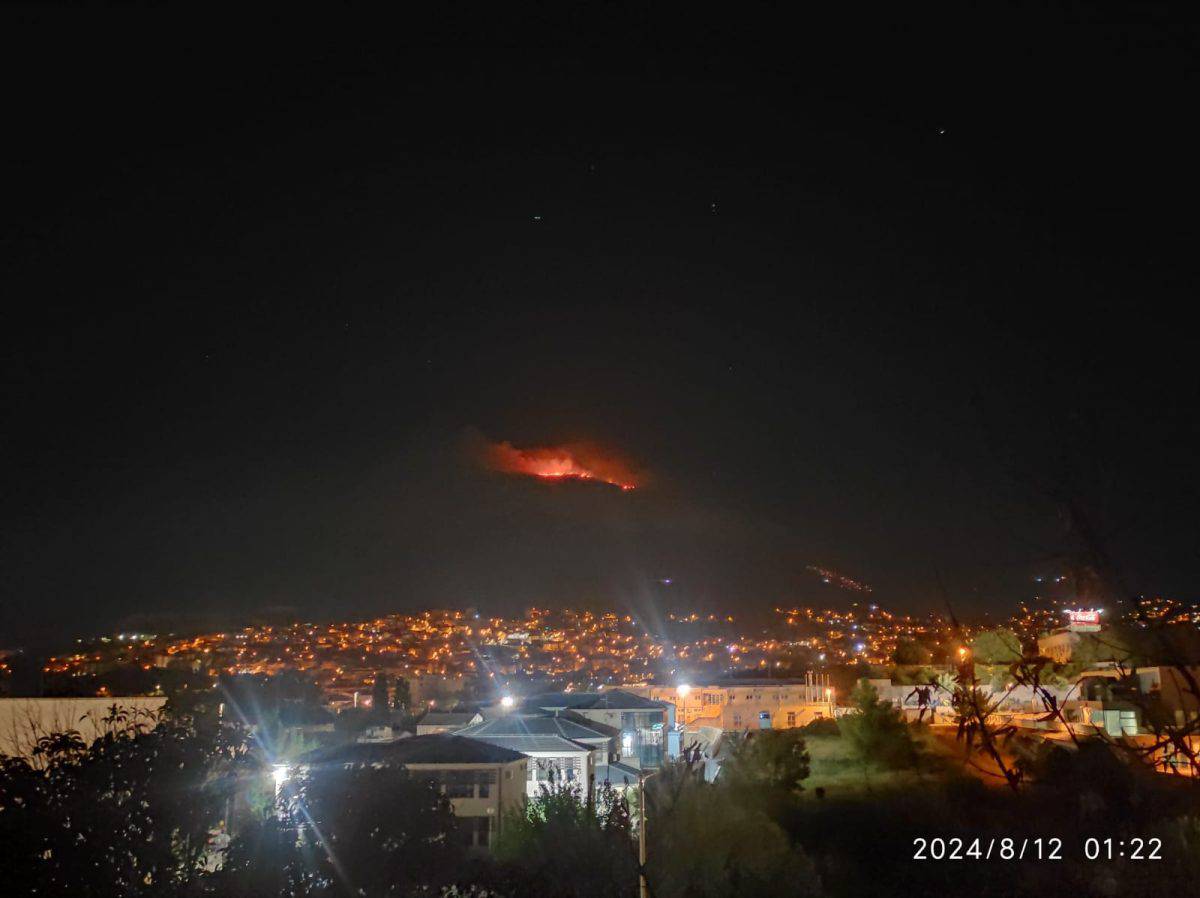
point(737, 721)
point(463, 783)
point(475, 831)
point(791, 718)
point(459, 783)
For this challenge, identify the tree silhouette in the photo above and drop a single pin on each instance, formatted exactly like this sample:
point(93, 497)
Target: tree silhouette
point(130, 814)
point(402, 695)
point(379, 693)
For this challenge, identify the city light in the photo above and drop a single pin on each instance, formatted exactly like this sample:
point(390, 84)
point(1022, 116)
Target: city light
point(508, 701)
point(684, 690)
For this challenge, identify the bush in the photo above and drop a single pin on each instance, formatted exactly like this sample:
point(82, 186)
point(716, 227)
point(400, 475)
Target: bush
point(877, 733)
point(822, 726)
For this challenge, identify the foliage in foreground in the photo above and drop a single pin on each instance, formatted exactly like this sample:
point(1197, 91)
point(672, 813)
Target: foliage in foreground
point(723, 840)
point(130, 814)
point(133, 814)
point(348, 831)
point(542, 848)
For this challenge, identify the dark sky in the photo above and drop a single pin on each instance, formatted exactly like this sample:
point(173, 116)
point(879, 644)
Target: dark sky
point(866, 303)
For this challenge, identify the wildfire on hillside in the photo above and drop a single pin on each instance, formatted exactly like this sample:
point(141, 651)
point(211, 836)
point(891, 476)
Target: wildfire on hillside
point(567, 462)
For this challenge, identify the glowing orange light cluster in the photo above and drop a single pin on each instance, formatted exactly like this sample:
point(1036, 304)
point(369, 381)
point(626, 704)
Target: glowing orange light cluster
point(575, 462)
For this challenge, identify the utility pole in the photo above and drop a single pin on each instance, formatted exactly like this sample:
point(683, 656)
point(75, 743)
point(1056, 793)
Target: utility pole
point(643, 890)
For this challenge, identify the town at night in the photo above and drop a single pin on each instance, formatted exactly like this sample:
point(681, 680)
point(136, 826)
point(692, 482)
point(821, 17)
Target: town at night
point(586, 453)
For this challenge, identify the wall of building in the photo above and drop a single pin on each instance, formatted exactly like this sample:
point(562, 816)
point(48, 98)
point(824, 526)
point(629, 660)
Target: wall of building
point(642, 743)
point(495, 789)
point(738, 707)
point(1058, 646)
point(582, 763)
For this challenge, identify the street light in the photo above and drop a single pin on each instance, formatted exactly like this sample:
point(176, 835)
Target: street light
point(508, 701)
point(684, 690)
point(279, 773)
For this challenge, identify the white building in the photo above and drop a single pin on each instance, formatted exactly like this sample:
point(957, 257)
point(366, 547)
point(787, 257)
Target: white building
point(744, 704)
point(560, 750)
point(642, 723)
point(1058, 646)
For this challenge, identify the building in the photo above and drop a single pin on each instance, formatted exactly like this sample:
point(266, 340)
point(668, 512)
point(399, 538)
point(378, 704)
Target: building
point(1058, 646)
point(561, 750)
point(744, 704)
point(482, 781)
point(447, 721)
point(1123, 701)
point(642, 723)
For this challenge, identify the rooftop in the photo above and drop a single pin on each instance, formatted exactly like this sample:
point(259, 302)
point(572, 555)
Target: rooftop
point(436, 748)
point(609, 700)
point(736, 682)
point(617, 774)
point(530, 744)
point(533, 725)
point(448, 718)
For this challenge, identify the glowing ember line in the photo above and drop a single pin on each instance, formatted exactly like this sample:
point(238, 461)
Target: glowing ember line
point(574, 462)
point(836, 579)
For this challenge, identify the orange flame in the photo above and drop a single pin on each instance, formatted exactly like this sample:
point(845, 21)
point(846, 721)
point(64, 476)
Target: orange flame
point(573, 462)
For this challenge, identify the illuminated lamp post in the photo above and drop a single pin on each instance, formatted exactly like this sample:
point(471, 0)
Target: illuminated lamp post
point(966, 667)
point(280, 774)
point(643, 886)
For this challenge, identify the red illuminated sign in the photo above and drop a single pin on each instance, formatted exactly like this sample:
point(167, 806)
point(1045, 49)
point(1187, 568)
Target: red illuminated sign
point(1084, 621)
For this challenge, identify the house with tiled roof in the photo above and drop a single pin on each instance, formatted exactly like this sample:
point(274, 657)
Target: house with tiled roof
point(643, 723)
point(560, 749)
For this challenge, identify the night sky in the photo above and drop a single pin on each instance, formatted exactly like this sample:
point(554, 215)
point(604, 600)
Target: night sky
point(870, 304)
